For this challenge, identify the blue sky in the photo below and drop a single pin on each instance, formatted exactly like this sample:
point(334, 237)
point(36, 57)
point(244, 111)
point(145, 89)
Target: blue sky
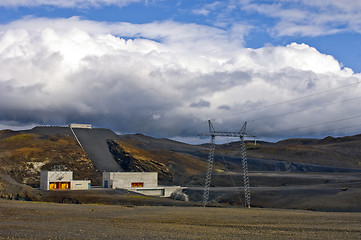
point(165, 67)
point(345, 45)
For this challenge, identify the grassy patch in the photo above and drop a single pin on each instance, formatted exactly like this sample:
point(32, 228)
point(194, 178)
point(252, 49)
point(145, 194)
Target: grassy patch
point(20, 137)
point(27, 151)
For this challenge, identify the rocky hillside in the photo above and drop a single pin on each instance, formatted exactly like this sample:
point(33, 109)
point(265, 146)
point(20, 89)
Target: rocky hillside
point(23, 155)
point(173, 167)
point(321, 169)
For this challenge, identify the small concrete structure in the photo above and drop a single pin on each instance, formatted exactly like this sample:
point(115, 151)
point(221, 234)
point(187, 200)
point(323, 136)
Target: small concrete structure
point(58, 180)
point(75, 125)
point(141, 182)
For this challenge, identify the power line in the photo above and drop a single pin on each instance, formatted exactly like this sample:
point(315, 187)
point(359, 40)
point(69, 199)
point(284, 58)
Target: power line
point(296, 99)
point(285, 114)
point(358, 125)
point(230, 175)
point(241, 134)
point(280, 103)
point(287, 101)
point(318, 124)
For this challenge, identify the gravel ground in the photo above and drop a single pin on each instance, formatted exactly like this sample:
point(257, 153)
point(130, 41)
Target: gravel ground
point(34, 220)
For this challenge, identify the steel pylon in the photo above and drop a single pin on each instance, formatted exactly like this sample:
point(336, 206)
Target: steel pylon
point(241, 134)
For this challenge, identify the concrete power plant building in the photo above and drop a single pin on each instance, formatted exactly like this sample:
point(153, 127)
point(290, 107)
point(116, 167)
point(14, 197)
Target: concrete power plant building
point(58, 180)
point(141, 182)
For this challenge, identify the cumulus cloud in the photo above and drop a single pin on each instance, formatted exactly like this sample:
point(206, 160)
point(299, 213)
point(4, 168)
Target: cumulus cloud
point(166, 79)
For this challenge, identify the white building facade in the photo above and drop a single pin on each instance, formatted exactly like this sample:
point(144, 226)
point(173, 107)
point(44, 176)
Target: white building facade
point(141, 182)
point(61, 180)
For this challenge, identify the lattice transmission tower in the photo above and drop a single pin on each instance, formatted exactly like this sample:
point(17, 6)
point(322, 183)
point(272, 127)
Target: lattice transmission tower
point(241, 134)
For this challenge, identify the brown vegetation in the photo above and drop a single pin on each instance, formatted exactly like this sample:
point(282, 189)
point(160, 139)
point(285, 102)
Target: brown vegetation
point(23, 155)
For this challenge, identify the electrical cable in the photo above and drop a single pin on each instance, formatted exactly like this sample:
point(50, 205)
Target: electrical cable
point(295, 99)
point(230, 175)
point(318, 93)
point(358, 125)
point(318, 124)
point(287, 101)
point(285, 114)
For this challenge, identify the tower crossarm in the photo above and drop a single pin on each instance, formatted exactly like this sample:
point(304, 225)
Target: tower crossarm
point(226, 134)
point(241, 134)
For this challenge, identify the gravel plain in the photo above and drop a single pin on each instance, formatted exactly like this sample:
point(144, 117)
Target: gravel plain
point(38, 220)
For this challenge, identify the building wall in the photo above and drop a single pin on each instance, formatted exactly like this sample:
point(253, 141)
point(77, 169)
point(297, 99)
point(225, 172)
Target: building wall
point(55, 180)
point(44, 184)
point(80, 185)
point(63, 176)
point(130, 179)
point(151, 192)
point(74, 125)
point(58, 180)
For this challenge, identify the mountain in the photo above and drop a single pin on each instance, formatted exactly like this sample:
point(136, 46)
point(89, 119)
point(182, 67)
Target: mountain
point(330, 151)
point(24, 154)
point(291, 168)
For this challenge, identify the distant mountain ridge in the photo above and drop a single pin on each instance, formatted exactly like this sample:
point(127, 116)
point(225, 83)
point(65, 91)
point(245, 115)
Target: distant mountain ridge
point(177, 162)
point(322, 169)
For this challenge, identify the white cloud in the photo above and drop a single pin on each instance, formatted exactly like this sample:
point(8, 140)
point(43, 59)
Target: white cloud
point(291, 18)
point(309, 17)
point(201, 11)
point(67, 3)
point(163, 78)
point(207, 8)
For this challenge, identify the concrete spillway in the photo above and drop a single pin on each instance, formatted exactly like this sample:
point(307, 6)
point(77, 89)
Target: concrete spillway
point(93, 141)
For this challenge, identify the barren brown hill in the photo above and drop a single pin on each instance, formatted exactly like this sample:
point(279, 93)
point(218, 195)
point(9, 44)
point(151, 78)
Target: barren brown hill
point(330, 151)
point(282, 175)
point(139, 153)
point(23, 155)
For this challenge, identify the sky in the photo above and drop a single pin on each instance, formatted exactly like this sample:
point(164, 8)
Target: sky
point(289, 68)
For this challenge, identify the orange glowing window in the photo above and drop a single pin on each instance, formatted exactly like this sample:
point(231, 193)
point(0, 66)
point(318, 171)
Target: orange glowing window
point(64, 185)
point(137, 184)
point(59, 185)
point(52, 185)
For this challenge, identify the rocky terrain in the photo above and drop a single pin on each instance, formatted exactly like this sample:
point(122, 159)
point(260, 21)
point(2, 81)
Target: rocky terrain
point(23, 155)
point(317, 174)
point(34, 220)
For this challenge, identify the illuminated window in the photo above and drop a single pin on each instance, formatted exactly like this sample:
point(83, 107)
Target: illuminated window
point(137, 184)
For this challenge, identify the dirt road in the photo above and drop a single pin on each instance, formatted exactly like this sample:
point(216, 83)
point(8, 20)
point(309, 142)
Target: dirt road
point(33, 220)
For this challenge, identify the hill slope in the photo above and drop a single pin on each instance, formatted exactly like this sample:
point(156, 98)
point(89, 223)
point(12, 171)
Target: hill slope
point(337, 152)
point(291, 173)
point(23, 155)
